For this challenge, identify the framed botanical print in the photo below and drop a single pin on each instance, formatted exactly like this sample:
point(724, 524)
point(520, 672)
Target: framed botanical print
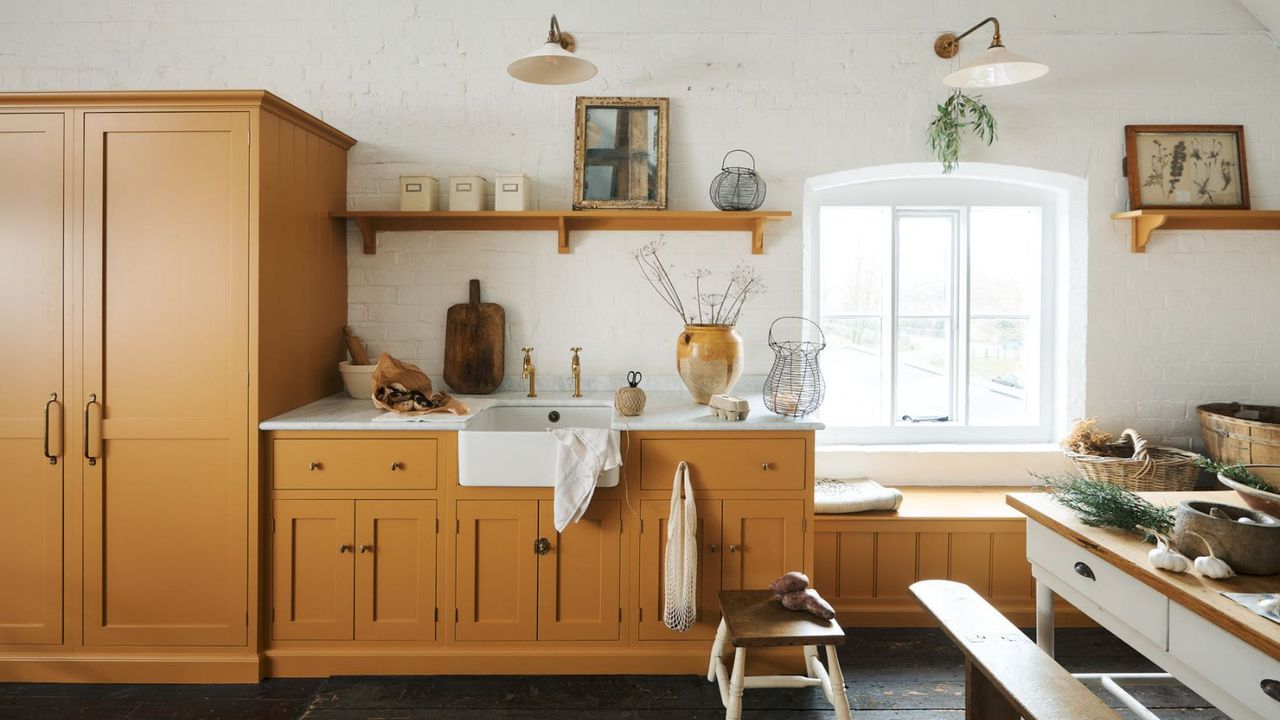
point(620, 153)
point(1186, 166)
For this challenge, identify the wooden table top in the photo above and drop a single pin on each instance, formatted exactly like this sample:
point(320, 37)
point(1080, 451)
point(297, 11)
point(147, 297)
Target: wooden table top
point(1128, 553)
point(756, 619)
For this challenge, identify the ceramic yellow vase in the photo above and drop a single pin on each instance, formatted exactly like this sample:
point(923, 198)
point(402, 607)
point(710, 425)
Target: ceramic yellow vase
point(709, 359)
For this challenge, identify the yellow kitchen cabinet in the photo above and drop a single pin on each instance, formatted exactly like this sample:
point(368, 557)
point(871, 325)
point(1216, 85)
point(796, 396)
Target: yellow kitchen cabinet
point(34, 239)
point(362, 569)
point(762, 539)
point(517, 579)
point(169, 277)
point(653, 549)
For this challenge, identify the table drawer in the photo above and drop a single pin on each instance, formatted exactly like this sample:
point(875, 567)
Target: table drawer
point(725, 464)
point(1241, 671)
point(1128, 600)
point(409, 464)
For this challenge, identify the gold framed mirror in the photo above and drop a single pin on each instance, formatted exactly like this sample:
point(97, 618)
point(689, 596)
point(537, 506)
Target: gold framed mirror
point(620, 153)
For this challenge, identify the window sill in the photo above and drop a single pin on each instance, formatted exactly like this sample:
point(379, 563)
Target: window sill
point(942, 464)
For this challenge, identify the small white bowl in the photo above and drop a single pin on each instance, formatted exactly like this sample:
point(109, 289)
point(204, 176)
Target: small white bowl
point(358, 379)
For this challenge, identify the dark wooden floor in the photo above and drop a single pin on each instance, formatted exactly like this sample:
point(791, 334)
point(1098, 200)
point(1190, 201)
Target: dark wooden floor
point(891, 674)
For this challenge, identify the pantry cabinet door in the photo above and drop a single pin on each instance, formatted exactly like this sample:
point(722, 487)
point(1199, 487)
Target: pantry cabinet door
point(579, 578)
point(312, 564)
point(497, 570)
point(32, 235)
point(166, 372)
point(653, 548)
point(396, 570)
point(762, 540)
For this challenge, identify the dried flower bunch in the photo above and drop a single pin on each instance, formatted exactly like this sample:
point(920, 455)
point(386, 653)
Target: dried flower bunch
point(1087, 439)
point(1211, 172)
point(714, 307)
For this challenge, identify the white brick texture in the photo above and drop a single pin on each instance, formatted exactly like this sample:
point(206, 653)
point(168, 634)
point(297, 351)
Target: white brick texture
point(809, 86)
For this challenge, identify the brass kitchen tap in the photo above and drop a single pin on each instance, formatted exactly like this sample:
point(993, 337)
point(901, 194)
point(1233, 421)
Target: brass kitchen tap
point(575, 366)
point(528, 372)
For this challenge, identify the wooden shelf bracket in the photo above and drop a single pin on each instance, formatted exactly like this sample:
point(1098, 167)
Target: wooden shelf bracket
point(1145, 222)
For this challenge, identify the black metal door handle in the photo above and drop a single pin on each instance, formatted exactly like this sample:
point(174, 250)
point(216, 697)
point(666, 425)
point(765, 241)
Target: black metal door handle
point(1084, 571)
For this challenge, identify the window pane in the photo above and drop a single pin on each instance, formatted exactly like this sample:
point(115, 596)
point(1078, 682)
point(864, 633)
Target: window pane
point(923, 381)
point(854, 255)
point(851, 365)
point(924, 264)
point(1003, 373)
point(1004, 260)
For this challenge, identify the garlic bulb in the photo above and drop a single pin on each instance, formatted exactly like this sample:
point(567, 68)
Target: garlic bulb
point(1163, 557)
point(1211, 566)
point(1270, 605)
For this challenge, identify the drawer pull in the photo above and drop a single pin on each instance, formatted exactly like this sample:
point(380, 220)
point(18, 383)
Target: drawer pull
point(733, 548)
point(713, 548)
point(344, 548)
point(1271, 688)
point(366, 548)
point(313, 466)
point(1084, 571)
point(395, 466)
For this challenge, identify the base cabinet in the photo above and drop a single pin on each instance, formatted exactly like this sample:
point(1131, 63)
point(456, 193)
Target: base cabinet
point(517, 579)
point(354, 569)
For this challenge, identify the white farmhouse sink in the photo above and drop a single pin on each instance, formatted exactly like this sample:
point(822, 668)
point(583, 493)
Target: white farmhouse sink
point(506, 446)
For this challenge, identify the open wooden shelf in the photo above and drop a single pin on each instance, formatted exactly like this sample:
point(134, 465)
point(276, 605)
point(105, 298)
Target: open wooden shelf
point(563, 222)
point(1146, 221)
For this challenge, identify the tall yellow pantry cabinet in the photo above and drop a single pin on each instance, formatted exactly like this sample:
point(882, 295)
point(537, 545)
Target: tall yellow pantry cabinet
point(169, 276)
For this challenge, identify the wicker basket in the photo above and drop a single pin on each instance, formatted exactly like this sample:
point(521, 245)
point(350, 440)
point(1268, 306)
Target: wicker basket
point(1138, 467)
point(1235, 433)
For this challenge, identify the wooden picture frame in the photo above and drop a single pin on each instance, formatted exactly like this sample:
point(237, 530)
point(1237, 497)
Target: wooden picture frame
point(620, 153)
point(1186, 167)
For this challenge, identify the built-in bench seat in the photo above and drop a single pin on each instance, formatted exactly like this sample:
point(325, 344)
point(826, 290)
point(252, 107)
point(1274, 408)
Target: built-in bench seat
point(864, 563)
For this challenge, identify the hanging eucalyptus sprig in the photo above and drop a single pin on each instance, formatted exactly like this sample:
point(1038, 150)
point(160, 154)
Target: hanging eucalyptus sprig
point(958, 112)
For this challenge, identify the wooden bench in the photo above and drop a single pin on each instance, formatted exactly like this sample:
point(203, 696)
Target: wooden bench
point(864, 562)
point(1007, 676)
point(754, 619)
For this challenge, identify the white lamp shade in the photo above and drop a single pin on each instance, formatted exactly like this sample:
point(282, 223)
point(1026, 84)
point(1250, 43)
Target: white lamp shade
point(995, 67)
point(551, 64)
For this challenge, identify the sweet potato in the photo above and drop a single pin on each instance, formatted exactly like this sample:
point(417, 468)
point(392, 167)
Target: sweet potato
point(810, 601)
point(791, 582)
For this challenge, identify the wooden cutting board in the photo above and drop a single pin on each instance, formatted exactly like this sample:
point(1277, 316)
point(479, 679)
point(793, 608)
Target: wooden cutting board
point(474, 345)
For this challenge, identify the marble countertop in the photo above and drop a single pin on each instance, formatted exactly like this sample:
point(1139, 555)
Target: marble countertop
point(663, 411)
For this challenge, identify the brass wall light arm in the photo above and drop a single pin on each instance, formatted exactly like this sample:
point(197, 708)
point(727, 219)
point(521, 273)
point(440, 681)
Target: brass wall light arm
point(947, 45)
point(564, 39)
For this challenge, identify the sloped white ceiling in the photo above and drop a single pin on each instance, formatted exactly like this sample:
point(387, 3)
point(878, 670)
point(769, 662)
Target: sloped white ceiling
point(1267, 12)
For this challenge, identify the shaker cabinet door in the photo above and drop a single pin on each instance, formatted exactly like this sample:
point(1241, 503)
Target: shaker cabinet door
point(396, 570)
point(497, 570)
point(32, 399)
point(763, 539)
point(312, 564)
point(166, 368)
point(579, 577)
point(653, 548)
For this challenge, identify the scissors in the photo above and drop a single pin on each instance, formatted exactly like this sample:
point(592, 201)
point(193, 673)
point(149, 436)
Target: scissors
point(634, 377)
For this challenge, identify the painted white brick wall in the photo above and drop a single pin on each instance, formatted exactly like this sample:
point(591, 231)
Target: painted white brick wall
point(810, 87)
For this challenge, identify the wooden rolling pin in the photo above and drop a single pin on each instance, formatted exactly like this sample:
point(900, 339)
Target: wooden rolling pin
point(359, 356)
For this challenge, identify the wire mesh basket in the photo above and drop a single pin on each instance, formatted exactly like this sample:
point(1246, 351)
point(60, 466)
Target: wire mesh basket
point(737, 188)
point(795, 387)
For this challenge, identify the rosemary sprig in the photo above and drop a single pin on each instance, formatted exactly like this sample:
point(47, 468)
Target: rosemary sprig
point(1237, 472)
point(1104, 504)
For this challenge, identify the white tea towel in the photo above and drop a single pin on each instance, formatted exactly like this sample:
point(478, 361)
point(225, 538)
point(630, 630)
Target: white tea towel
point(854, 495)
point(680, 565)
point(583, 455)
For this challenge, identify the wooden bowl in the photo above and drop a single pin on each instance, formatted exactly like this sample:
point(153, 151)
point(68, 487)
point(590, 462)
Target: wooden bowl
point(1250, 549)
point(1260, 500)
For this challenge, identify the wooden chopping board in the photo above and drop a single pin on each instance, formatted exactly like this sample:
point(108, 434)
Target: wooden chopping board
point(474, 345)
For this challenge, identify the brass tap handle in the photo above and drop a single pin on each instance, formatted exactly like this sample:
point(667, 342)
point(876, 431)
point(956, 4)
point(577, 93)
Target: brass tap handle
point(575, 366)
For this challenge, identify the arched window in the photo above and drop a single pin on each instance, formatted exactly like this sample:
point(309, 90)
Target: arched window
point(939, 297)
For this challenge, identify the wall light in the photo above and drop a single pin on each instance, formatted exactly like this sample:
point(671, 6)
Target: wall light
point(993, 68)
point(553, 63)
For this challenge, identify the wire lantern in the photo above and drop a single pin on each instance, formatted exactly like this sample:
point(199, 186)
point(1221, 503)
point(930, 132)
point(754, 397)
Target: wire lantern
point(795, 387)
point(737, 188)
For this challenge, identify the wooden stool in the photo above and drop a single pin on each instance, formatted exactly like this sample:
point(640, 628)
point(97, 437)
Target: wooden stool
point(752, 618)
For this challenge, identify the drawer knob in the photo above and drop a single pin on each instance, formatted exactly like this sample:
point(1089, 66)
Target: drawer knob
point(344, 548)
point(313, 466)
point(1271, 688)
point(366, 548)
point(764, 466)
point(541, 546)
point(1084, 571)
point(733, 548)
point(395, 466)
point(713, 548)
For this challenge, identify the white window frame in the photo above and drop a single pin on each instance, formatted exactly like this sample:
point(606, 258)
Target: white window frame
point(931, 193)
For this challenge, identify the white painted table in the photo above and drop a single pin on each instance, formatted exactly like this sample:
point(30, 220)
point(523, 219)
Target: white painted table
point(1181, 622)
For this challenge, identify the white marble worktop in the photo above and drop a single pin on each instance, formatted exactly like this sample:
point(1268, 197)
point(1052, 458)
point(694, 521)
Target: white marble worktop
point(663, 411)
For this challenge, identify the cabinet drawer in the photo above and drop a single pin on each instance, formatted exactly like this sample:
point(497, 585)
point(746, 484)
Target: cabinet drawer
point(717, 464)
point(1236, 668)
point(340, 464)
point(1136, 605)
